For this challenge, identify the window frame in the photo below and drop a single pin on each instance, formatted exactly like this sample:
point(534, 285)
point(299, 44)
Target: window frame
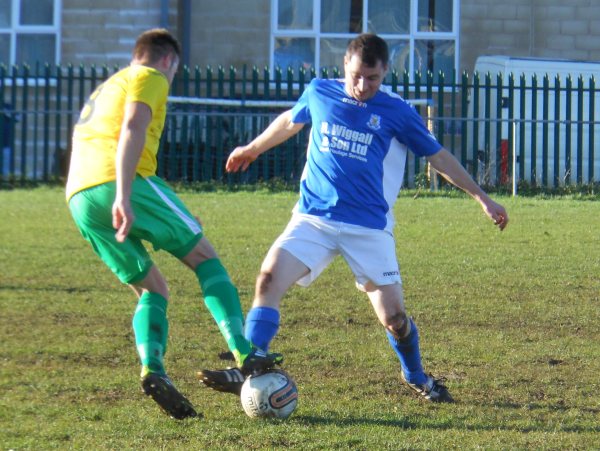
point(15, 28)
point(412, 37)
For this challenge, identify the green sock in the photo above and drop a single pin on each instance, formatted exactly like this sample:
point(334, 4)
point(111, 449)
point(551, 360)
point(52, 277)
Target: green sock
point(151, 329)
point(222, 300)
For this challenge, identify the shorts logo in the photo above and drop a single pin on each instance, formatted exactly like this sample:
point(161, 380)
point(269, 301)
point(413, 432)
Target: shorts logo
point(374, 122)
point(390, 273)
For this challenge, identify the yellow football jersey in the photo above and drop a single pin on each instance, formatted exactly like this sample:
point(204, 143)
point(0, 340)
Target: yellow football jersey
point(96, 134)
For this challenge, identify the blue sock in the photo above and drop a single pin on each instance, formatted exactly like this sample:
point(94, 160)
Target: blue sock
point(409, 354)
point(262, 324)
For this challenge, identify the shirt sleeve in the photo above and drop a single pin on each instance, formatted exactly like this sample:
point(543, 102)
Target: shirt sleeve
point(149, 87)
point(416, 136)
point(301, 111)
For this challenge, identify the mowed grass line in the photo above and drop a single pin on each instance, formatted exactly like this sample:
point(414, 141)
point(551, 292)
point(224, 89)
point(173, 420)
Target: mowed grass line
point(510, 319)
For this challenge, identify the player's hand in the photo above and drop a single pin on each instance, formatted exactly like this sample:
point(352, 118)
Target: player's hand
point(122, 219)
point(496, 213)
point(240, 159)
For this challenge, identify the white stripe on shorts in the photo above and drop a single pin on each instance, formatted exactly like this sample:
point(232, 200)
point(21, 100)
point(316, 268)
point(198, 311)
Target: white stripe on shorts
point(190, 222)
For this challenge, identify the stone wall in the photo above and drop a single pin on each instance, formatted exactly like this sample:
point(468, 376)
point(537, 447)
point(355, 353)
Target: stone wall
point(104, 31)
point(236, 32)
point(230, 32)
point(568, 29)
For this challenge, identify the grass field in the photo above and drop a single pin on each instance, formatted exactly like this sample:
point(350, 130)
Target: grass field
point(509, 319)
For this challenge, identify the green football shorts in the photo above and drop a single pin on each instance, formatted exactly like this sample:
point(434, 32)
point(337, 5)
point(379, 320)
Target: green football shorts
point(160, 219)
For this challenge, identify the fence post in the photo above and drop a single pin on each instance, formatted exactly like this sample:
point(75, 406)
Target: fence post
point(511, 117)
point(580, 129)
point(13, 102)
point(464, 107)
point(568, 116)
point(557, 131)
point(5, 120)
point(522, 115)
point(24, 121)
point(58, 154)
point(487, 127)
point(545, 128)
point(70, 78)
point(417, 96)
point(592, 116)
point(453, 112)
point(267, 95)
point(514, 158)
point(440, 108)
point(474, 150)
point(301, 80)
point(534, 107)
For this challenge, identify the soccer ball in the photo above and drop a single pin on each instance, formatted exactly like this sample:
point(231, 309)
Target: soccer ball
point(269, 395)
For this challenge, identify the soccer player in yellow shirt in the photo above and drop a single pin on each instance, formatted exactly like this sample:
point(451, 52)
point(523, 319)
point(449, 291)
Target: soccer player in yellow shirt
point(117, 201)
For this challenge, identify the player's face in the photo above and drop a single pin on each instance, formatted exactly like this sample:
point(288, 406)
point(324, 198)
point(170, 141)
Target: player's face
point(362, 81)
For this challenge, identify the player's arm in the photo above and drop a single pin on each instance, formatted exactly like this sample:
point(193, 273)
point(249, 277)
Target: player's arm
point(129, 149)
point(450, 168)
point(278, 131)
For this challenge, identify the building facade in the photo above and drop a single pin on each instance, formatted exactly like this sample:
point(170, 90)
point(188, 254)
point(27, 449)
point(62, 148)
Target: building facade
point(424, 35)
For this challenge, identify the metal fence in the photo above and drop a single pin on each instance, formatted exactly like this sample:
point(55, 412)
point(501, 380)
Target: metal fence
point(544, 132)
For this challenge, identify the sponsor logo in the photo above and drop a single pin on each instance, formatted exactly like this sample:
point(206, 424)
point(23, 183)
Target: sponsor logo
point(344, 141)
point(354, 102)
point(390, 273)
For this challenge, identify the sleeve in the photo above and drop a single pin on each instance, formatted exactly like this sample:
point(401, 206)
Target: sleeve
point(416, 136)
point(301, 111)
point(149, 87)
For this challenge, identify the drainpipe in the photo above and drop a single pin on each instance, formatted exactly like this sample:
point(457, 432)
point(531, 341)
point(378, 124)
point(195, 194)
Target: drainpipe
point(164, 14)
point(184, 14)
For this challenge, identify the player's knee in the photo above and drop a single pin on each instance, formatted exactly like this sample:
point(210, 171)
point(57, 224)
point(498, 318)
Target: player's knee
point(154, 282)
point(398, 325)
point(264, 281)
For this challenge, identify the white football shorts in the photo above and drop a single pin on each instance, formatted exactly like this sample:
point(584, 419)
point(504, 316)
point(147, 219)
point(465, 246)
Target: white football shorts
point(316, 241)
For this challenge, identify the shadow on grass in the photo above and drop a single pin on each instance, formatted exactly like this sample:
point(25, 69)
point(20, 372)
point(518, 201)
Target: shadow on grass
point(428, 421)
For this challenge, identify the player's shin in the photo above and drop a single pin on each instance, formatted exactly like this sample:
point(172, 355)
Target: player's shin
point(262, 324)
point(222, 300)
point(407, 350)
point(151, 329)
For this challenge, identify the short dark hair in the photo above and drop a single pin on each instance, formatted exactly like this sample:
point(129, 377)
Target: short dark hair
point(155, 44)
point(370, 47)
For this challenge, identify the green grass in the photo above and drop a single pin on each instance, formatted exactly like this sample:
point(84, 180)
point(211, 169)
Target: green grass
point(510, 319)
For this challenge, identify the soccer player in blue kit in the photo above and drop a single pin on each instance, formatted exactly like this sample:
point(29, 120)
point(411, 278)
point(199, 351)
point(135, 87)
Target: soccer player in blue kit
point(360, 136)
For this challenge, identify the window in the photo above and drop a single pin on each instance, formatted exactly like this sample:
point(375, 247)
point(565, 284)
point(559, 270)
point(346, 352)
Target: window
point(29, 31)
point(422, 34)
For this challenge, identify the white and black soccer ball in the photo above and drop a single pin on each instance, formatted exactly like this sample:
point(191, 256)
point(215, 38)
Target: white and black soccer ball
point(269, 395)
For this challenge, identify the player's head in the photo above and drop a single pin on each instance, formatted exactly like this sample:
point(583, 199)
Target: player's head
point(159, 49)
point(365, 65)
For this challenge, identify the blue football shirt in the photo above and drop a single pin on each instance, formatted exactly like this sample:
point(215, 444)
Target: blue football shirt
point(357, 152)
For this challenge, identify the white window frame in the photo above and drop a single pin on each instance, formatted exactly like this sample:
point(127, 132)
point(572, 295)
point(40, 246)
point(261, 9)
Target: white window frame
point(412, 37)
point(16, 28)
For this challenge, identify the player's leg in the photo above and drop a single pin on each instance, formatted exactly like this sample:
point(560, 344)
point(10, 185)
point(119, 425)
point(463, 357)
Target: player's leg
point(278, 272)
point(177, 231)
point(151, 329)
point(372, 257)
point(298, 255)
point(403, 335)
point(150, 324)
point(131, 263)
point(222, 299)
